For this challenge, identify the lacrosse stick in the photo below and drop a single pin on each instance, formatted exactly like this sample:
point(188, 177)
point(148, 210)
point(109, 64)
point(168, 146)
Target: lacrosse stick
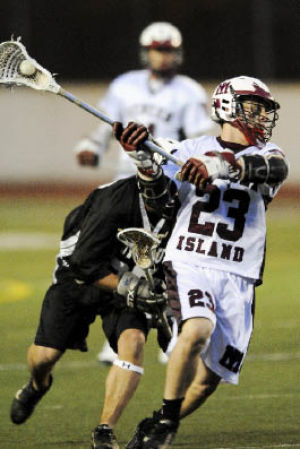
point(17, 68)
point(143, 245)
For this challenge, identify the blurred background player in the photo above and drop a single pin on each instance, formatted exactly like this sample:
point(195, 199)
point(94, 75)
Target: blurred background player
point(169, 104)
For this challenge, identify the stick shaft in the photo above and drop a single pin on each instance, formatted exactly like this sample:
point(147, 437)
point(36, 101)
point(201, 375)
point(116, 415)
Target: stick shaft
point(149, 279)
point(163, 320)
point(165, 325)
point(83, 105)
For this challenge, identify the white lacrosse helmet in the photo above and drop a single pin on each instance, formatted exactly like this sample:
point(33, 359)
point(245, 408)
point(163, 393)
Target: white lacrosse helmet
point(227, 106)
point(161, 36)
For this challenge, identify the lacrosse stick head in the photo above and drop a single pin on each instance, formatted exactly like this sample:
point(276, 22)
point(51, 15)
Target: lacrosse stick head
point(142, 244)
point(17, 68)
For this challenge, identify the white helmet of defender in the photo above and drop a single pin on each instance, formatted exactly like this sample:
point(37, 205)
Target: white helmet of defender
point(161, 36)
point(228, 105)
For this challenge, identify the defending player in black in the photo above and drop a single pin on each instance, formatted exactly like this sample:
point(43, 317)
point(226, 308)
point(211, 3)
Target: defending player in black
point(95, 275)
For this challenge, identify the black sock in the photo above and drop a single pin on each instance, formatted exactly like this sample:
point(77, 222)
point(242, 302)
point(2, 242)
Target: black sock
point(171, 409)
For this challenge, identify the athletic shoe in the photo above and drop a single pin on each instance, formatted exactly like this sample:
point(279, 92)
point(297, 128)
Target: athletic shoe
point(106, 356)
point(103, 437)
point(25, 401)
point(141, 430)
point(161, 435)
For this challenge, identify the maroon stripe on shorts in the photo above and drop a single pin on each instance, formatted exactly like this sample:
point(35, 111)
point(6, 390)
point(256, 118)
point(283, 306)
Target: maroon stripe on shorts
point(173, 295)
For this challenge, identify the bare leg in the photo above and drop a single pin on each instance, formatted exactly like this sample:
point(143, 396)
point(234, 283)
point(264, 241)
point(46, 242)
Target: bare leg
point(203, 385)
point(121, 384)
point(184, 357)
point(41, 360)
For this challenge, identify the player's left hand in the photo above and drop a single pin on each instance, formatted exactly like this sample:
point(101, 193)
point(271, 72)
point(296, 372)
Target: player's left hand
point(155, 302)
point(139, 294)
point(195, 172)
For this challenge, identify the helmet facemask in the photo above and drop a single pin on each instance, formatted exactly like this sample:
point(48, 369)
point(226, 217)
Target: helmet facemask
point(163, 72)
point(255, 117)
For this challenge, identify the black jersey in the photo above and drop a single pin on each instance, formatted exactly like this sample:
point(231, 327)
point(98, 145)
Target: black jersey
point(89, 249)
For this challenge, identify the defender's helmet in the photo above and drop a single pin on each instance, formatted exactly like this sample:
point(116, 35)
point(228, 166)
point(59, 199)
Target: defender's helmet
point(161, 36)
point(239, 101)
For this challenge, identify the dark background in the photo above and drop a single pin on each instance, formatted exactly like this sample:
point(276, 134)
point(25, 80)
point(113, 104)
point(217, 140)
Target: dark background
point(98, 39)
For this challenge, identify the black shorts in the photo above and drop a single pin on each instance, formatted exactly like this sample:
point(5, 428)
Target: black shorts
point(64, 321)
point(118, 320)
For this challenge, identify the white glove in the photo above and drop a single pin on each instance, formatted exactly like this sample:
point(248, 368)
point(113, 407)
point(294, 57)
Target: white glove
point(167, 145)
point(138, 293)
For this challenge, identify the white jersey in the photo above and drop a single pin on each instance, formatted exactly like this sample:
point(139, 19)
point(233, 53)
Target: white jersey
point(224, 226)
point(175, 108)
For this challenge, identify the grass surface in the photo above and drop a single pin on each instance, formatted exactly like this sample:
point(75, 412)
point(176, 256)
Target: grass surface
point(263, 411)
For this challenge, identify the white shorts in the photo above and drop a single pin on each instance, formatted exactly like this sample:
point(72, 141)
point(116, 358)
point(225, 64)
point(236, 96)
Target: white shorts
point(224, 298)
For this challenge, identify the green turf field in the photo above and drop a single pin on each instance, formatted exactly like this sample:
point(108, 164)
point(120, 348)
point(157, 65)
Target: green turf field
point(262, 412)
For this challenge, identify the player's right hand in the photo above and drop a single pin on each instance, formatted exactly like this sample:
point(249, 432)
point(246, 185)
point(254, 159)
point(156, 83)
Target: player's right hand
point(132, 138)
point(87, 158)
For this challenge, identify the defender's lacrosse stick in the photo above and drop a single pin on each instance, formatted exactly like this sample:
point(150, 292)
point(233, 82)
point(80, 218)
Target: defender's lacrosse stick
point(143, 245)
point(17, 68)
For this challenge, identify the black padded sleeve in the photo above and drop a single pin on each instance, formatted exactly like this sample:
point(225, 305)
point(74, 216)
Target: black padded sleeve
point(112, 208)
point(260, 169)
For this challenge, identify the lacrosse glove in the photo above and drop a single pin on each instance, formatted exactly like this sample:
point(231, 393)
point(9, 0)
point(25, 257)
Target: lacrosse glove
point(212, 165)
point(139, 295)
point(87, 152)
point(132, 138)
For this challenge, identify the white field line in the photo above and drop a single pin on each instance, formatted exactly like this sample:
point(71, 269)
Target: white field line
point(272, 357)
point(28, 241)
point(241, 397)
point(265, 446)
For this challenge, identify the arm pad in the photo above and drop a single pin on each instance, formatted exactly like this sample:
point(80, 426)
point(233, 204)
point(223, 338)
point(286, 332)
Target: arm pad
point(260, 169)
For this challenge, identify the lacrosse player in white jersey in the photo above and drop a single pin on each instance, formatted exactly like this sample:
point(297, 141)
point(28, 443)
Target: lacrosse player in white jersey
point(215, 256)
point(170, 105)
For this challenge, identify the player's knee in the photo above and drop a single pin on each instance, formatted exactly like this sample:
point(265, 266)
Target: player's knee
point(196, 332)
point(131, 341)
point(41, 358)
